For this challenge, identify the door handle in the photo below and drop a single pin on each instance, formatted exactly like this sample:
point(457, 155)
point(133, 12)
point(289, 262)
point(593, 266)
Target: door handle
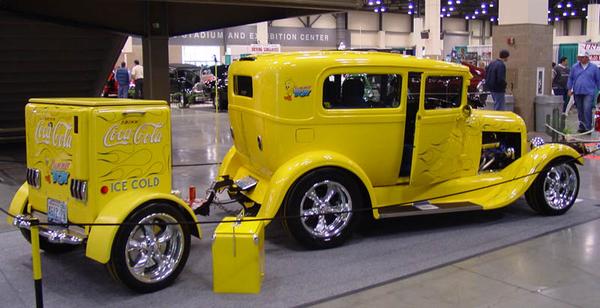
point(134, 112)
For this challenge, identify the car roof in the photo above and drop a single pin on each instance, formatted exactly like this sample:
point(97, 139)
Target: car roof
point(366, 58)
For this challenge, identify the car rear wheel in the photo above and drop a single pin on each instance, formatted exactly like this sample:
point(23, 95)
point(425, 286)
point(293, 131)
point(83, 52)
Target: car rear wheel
point(148, 258)
point(320, 208)
point(555, 189)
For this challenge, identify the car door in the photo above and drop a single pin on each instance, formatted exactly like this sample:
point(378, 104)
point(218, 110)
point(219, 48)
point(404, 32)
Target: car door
point(361, 116)
point(439, 137)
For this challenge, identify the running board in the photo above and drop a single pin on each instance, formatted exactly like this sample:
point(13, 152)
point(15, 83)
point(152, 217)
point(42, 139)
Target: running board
point(426, 208)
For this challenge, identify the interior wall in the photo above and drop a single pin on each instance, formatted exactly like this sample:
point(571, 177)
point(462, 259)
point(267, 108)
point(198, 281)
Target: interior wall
point(287, 22)
point(363, 21)
point(397, 22)
point(454, 24)
point(325, 21)
point(394, 40)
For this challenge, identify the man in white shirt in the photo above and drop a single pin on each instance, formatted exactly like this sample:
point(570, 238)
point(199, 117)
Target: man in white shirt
point(137, 75)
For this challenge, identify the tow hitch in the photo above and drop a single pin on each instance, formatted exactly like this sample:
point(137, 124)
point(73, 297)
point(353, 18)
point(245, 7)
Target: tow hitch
point(202, 207)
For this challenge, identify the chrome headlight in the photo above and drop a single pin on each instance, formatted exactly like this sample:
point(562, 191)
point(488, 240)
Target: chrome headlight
point(536, 142)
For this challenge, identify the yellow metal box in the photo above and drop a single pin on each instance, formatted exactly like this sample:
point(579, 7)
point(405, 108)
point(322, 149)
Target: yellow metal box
point(238, 256)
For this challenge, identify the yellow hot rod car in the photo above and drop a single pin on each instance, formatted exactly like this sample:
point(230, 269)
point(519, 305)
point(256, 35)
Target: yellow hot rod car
point(325, 137)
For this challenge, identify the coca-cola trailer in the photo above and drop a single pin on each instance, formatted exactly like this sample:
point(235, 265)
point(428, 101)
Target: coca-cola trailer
point(107, 161)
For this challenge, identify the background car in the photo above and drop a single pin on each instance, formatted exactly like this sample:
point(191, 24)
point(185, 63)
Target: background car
point(110, 88)
point(186, 87)
point(477, 95)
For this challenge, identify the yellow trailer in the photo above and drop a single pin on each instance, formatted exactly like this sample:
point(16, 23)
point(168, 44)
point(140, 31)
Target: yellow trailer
point(106, 161)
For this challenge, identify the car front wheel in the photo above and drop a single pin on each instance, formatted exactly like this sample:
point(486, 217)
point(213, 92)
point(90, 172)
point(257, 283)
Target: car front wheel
point(319, 208)
point(555, 189)
point(150, 250)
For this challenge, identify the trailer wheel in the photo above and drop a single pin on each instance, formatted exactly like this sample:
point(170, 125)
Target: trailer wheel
point(555, 189)
point(319, 207)
point(148, 258)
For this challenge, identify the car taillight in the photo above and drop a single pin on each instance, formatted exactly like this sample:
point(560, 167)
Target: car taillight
point(79, 189)
point(34, 177)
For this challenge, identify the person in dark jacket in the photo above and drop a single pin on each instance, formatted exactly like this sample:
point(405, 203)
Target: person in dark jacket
point(560, 76)
point(122, 77)
point(495, 79)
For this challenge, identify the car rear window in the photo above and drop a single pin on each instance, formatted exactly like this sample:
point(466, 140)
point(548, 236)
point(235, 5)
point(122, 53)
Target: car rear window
point(354, 91)
point(243, 86)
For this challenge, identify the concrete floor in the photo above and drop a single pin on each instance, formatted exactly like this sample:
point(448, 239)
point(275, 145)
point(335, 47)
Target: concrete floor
point(559, 269)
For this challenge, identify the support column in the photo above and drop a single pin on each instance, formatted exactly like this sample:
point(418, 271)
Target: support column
point(416, 39)
point(262, 33)
point(593, 22)
point(342, 37)
point(155, 47)
point(381, 33)
point(433, 45)
point(525, 25)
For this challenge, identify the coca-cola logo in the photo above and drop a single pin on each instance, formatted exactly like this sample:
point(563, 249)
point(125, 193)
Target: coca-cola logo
point(57, 134)
point(145, 133)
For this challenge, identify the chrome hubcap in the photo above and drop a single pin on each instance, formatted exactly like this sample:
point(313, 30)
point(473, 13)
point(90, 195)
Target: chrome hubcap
point(325, 209)
point(153, 251)
point(560, 186)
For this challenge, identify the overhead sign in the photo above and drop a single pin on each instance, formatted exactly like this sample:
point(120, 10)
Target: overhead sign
point(288, 36)
point(593, 49)
point(242, 35)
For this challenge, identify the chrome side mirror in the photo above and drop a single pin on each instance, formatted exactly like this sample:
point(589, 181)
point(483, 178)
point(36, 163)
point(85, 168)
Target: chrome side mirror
point(467, 110)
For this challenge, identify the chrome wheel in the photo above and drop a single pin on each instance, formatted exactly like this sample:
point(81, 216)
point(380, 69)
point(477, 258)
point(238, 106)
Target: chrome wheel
point(153, 252)
point(325, 209)
point(560, 186)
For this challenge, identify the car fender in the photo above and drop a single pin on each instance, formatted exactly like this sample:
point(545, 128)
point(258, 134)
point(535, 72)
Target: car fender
point(100, 239)
point(288, 173)
point(19, 202)
point(516, 180)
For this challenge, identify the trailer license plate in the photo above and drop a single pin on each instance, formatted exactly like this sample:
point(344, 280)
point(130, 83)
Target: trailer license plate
point(57, 211)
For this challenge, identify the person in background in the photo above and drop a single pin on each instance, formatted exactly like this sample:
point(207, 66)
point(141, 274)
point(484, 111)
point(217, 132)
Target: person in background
point(584, 82)
point(122, 77)
point(137, 75)
point(495, 79)
point(560, 76)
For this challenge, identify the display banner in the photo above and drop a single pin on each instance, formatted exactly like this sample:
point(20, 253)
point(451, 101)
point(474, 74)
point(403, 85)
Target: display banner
point(246, 35)
point(593, 49)
point(312, 37)
point(242, 35)
point(257, 48)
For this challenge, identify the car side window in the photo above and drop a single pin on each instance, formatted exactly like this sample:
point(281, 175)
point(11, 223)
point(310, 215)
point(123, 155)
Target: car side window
point(443, 92)
point(355, 91)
